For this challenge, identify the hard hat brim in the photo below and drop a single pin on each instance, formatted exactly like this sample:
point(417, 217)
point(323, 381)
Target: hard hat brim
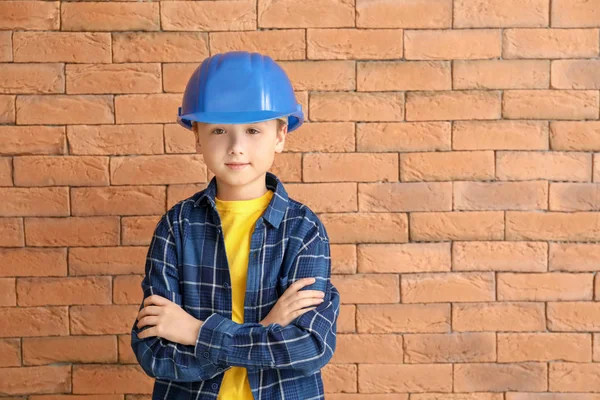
point(295, 118)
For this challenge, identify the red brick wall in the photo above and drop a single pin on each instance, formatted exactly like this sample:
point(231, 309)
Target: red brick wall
point(451, 148)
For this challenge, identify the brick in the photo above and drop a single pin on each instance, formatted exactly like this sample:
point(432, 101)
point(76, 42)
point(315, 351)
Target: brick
point(176, 75)
point(549, 43)
point(32, 78)
point(61, 170)
point(6, 171)
point(354, 106)
point(27, 202)
point(118, 378)
point(529, 195)
point(544, 347)
point(556, 166)
point(343, 259)
point(569, 14)
point(147, 108)
point(341, 167)
point(65, 109)
point(72, 231)
point(453, 105)
point(501, 74)
point(305, 14)
point(545, 287)
point(575, 74)
point(179, 140)
point(30, 15)
point(454, 287)
point(11, 232)
point(101, 319)
point(403, 258)
point(48, 379)
point(509, 317)
point(138, 230)
point(16, 140)
point(107, 260)
point(340, 378)
point(573, 377)
point(71, 47)
point(325, 197)
point(176, 193)
point(354, 44)
point(500, 13)
point(113, 78)
point(403, 75)
point(7, 109)
point(376, 378)
point(328, 75)
point(370, 227)
point(368, 288)
point(127, 289)
point(287, 44)
point(577, 226)
point(450, 348)
point(33, 321)
point(6, 46)
point(64, 291)
point(500, 256)
point(88, 16)
point(26, 261)
point(576, 257)
point(469, 44)
point(403, 136)
point(480, 377)
point(500, 135)
point(550, 104)
point(208, 16)
point(74, 349)
point(575, 135)
point(115, 139)
point(11, 352)
point(8, 296)
point(402, 14)
point(447, 165)
point(403, 318)
point(125, 200)
point(156, 170)
point(340, 138)
point(368, 349)
point(574, 316)
point(159, 46)
point(411, 196)
point(347, 318)
point(287, 166)
point(472, 225)
point(574, 196)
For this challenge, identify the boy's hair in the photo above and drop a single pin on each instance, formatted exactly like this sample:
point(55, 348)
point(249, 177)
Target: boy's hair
point(281, 122)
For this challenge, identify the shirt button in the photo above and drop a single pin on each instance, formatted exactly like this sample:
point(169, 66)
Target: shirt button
point(215, 386)
point(225, 285)
point(206, 355)
point(219, 369)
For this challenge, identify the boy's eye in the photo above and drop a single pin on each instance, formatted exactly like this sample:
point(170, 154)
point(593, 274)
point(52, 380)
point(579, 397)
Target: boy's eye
point(219, 130)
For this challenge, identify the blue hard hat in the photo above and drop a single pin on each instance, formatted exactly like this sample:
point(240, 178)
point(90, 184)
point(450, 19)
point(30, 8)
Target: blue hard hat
point(239, 87)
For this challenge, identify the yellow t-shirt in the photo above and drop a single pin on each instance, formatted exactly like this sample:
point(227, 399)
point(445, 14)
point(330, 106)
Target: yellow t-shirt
point(238, 218)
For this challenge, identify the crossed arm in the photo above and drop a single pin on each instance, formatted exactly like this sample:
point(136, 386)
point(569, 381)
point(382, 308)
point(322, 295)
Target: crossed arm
point(306, 344)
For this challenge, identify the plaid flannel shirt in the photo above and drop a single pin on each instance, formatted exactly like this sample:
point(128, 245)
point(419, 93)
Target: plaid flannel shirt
point(187, 264)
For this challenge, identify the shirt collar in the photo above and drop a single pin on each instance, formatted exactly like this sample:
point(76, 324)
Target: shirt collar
point(275, 210)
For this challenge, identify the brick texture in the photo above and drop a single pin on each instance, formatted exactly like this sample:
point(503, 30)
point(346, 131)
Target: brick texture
point(450, 147)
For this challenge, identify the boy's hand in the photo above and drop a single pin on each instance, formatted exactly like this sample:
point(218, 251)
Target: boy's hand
point(168, 320)
point(292, 302)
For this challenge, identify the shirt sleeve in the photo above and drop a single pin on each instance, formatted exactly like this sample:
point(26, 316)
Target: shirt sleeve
point(161, 358)
point(306, 344)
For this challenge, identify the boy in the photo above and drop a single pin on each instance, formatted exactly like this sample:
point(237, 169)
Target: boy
point(228, 269)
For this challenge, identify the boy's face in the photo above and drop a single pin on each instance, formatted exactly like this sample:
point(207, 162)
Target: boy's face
point(254, 143)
